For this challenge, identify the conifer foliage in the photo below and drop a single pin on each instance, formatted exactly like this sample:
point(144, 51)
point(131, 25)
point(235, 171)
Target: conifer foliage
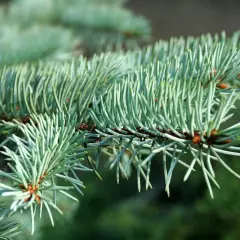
point(62, 114)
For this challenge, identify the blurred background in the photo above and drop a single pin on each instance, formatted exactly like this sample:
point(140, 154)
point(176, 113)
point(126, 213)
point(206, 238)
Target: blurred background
point(112, 211)
point(188, 17)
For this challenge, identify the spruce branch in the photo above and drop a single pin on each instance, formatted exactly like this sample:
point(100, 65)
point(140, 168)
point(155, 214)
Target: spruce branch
point(8, 228)
point(176, 120)
point(163, 50)
point(20, 45)
point(169, 100)
point(50, 86)
point(50, 151)
point(119, 29)
point(121, 20)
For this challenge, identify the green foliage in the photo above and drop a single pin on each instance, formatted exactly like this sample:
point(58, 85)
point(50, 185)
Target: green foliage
point(172, 103)
point(139, 110)
point(94, 14)
point(31, 44)
point(40, 161)
point(8, 228)
point(120, 29)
